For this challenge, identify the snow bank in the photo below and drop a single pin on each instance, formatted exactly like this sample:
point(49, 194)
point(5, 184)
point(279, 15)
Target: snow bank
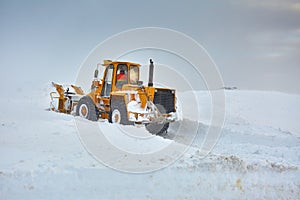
point(273, 109)
point(256, 157)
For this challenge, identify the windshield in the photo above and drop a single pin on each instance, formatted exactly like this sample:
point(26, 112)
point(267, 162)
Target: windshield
point(134, 74)
point(122, 77)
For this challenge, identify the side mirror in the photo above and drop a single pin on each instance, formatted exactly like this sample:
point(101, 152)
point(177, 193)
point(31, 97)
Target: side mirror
point(96, 73)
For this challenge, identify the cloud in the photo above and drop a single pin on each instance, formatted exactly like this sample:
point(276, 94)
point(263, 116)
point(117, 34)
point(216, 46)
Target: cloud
point(296, 6)
point(270, 44)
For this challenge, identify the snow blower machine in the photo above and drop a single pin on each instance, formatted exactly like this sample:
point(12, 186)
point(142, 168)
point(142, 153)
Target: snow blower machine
point(120, 97)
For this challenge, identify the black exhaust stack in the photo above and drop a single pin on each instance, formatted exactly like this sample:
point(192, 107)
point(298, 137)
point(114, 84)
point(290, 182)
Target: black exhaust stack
point(151, 68)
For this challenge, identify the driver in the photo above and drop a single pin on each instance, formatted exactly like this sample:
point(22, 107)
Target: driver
point(122, 76)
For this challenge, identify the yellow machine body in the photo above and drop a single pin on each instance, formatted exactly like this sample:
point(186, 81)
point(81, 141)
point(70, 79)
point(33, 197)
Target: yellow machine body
point(120, 97)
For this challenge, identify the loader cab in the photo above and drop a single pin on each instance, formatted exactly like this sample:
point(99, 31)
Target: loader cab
point(126, 74)
point(118, 74)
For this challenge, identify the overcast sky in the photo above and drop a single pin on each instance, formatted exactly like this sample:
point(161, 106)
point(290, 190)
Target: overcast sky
point(255, 43)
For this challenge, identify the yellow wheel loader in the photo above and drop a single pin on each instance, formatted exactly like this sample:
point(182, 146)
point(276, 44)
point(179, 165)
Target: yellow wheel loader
point(120, 97)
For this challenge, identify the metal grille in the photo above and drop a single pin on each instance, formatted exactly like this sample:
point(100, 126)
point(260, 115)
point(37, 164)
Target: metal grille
point(165, 98)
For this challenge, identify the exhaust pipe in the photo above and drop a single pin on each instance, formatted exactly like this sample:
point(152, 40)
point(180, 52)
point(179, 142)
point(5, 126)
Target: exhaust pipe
point(151, 68)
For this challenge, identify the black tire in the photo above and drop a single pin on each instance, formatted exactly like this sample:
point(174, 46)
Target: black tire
point(87, 109)
point(118, 106)
point(156, 128)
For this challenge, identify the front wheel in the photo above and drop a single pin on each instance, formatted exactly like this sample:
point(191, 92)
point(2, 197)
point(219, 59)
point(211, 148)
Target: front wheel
point(86, 108)
point(118, 113)
point(157, 129)
point(116, 116)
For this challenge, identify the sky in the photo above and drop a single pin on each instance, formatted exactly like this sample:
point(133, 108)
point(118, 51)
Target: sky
point(255, 43)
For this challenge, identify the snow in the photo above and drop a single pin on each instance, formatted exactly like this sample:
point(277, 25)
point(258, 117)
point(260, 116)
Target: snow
point(256, 157)
point(134, 106)
point(128, 139)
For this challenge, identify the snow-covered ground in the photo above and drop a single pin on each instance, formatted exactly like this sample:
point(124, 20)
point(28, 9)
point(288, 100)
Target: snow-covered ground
point(256, 157)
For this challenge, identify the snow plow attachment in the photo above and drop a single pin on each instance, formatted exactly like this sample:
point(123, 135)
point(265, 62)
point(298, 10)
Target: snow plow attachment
point(64, 100)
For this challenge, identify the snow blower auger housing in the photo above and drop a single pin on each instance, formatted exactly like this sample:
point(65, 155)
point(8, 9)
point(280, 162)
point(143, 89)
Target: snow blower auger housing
point(120, 97)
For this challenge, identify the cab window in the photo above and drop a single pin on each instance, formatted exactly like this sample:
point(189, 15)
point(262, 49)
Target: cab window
point(106, 89)
point(134, 74)
point(122, 75)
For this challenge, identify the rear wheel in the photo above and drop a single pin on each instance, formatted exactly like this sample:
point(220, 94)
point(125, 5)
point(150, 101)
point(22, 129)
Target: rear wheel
point(86, 108)
point(158, 128)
